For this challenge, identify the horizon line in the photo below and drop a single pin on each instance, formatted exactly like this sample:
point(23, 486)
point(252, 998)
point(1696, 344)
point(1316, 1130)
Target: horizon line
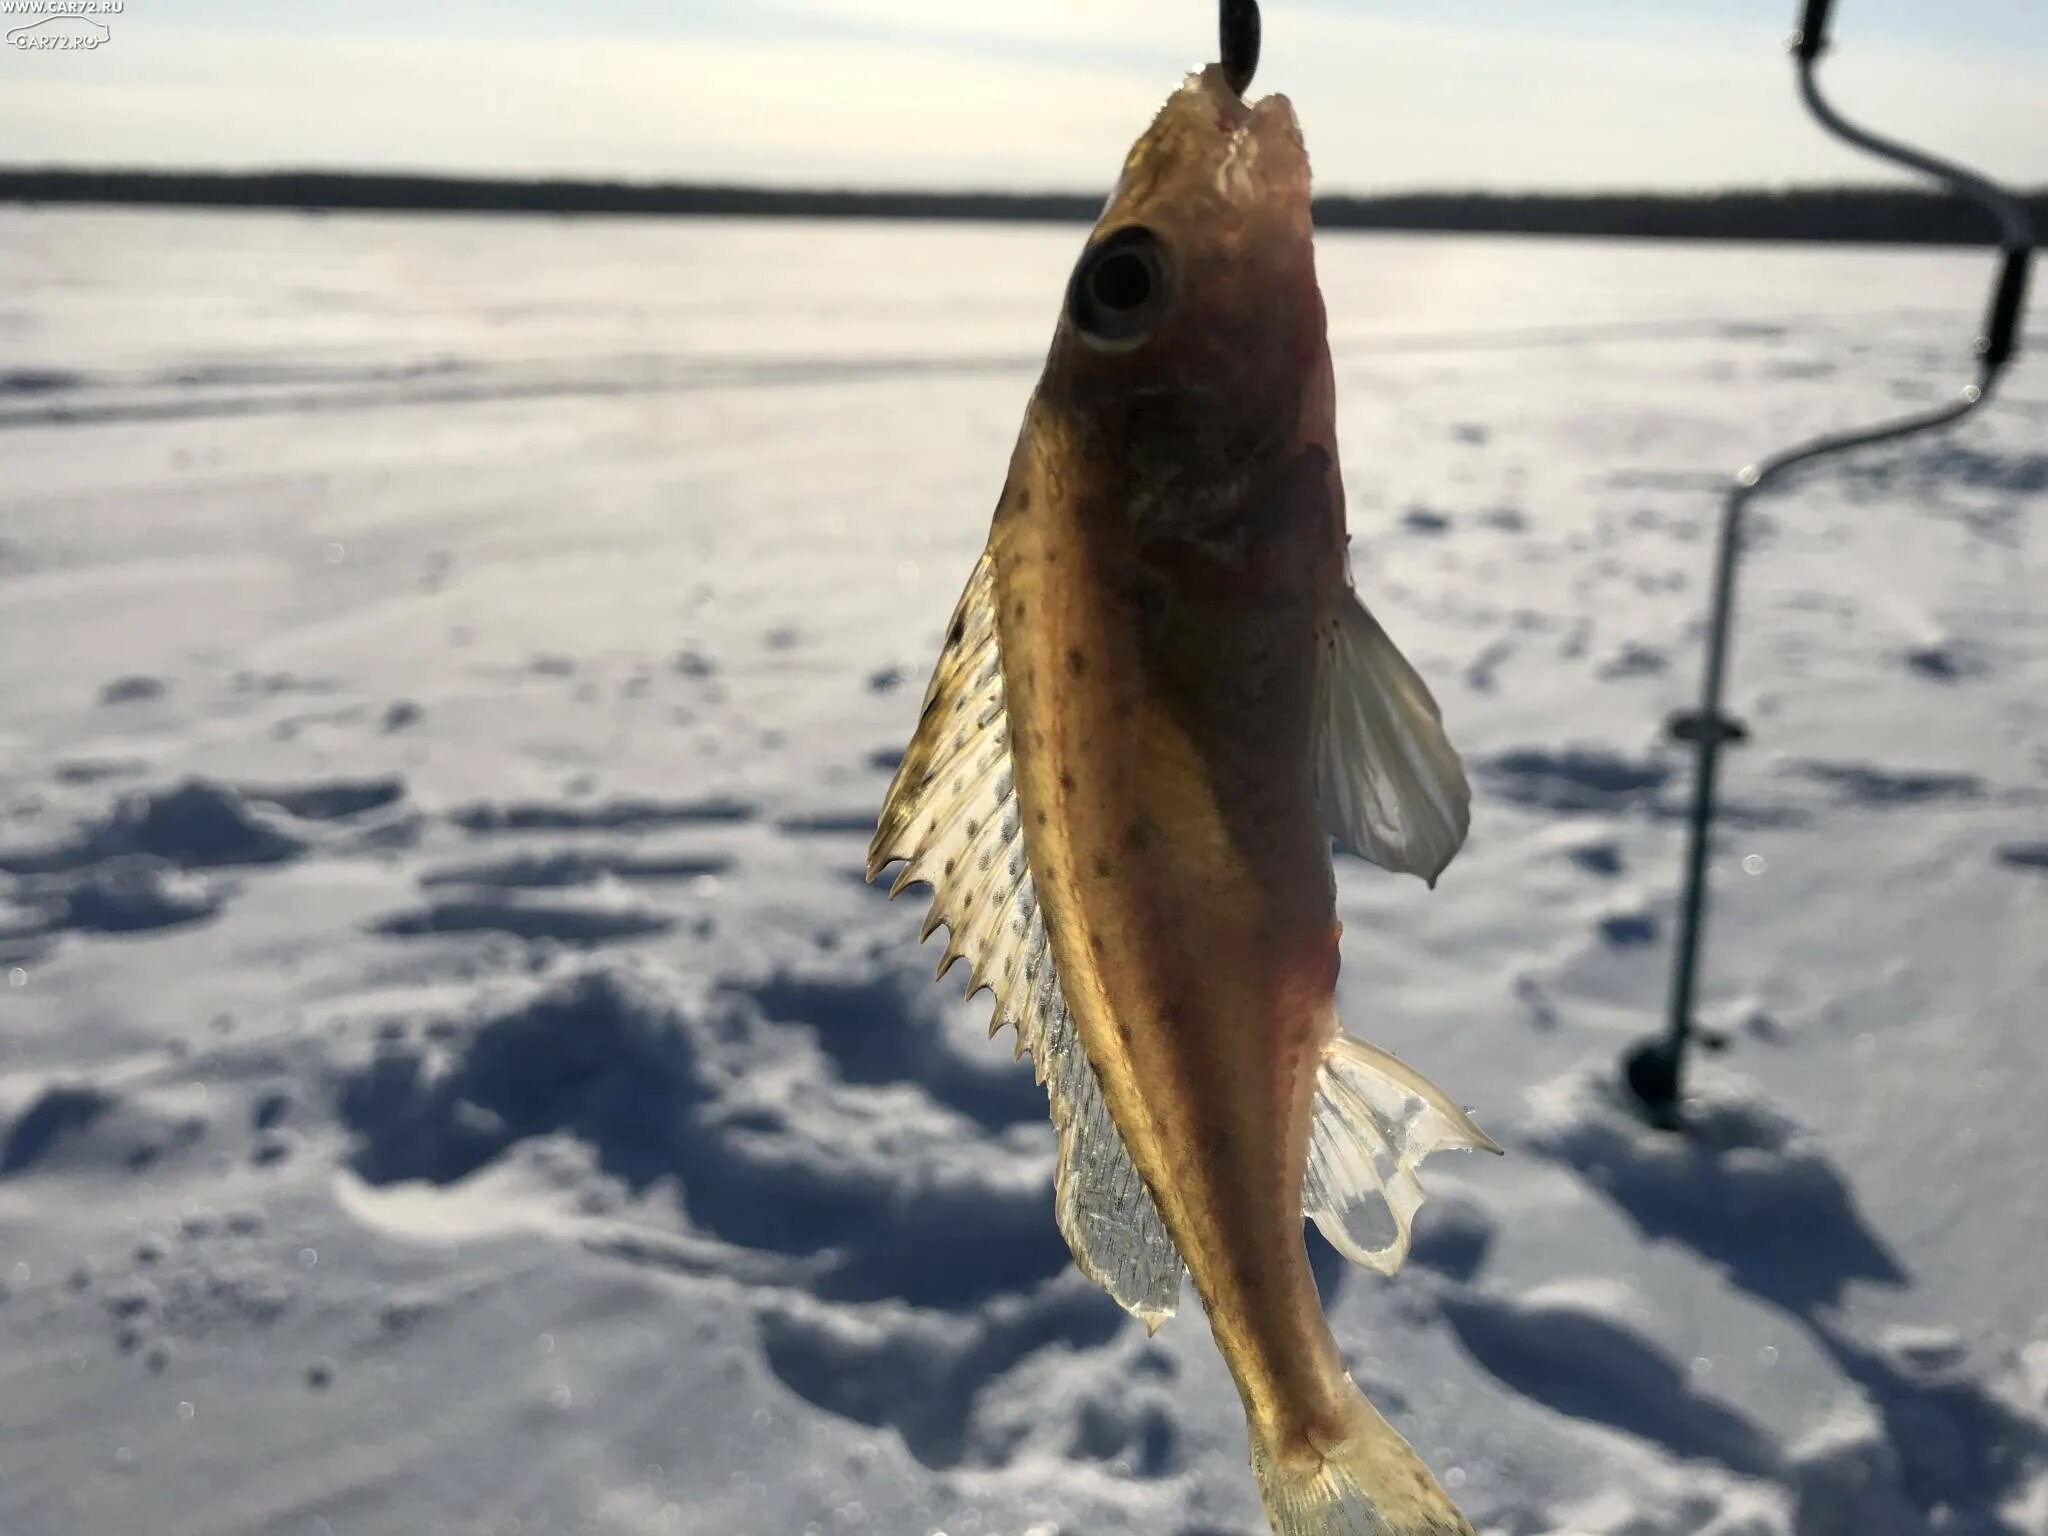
point(315, 170)
point(1852, 213)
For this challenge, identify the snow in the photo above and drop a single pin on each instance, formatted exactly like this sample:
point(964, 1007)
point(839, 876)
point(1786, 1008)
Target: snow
point(454, 1078)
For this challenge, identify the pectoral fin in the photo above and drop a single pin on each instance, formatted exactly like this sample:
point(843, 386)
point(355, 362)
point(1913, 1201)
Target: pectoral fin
point(1376, 1119)
point(1390, 783)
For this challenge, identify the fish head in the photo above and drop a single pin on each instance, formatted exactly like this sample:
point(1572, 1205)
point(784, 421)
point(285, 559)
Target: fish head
point(1191, 349)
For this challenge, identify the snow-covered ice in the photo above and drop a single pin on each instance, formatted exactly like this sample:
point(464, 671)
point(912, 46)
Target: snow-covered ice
point(453, 1077)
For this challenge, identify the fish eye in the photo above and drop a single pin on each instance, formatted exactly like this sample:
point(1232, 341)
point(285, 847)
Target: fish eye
point(1119, 288)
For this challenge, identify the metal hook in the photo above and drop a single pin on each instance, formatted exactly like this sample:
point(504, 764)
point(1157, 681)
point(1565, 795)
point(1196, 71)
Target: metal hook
point(1655, 1068)
point(1238, 42)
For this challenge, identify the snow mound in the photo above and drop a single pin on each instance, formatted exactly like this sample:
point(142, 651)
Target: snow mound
point(1846, 1481)
point(1942, 1436)
point(626, 815)
point(330, 799)
point(85, 1128)
point(812, 1137)
point(601, 1052)
point(145, 864)
point(764, 1144)
point(133, 689)
point(196, 824)
point(886, 1026)
point(938, 1378)
point(1578, 779)
point(560, 867)
point(602, 917)
point(135, 894)
point(1873, 788)
point(1744, 1186)
point(1586, 1348)
point(2028, 856)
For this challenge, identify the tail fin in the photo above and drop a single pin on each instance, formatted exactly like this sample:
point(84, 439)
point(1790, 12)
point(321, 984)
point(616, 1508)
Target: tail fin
point(1367, 1484)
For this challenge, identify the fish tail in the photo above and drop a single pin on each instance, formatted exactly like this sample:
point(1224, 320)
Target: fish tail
point(1368, 1483)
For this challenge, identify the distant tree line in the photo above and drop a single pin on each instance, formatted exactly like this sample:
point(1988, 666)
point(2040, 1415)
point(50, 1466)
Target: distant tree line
point(1883, 215)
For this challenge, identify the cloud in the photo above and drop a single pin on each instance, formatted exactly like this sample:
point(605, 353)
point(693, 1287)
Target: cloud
point(929, 92)
point(799, 111)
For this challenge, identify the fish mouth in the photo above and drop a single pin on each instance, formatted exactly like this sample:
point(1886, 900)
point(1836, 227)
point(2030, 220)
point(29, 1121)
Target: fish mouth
point(1263, 158)
point(1235, 113)
point(1272, 115)
point(1283, 155)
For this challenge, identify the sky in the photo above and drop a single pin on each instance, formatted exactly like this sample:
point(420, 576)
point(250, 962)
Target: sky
point(1020, 94)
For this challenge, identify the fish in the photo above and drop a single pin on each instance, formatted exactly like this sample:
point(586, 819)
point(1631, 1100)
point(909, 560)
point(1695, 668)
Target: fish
point(1158, 704)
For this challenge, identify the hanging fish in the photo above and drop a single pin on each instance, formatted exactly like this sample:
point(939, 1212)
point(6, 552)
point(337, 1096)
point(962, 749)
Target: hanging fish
point(1158, 702)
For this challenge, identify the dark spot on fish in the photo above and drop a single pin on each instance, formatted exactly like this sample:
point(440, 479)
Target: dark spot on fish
point(973, 825)
point(1123, 1031)
point(1038, 818)
point(1077, 663)
point(1066, 781)
point(1103, 868)
point(1017, 610)
point(958, 632)
point(949, 865)
point(1138, 836)
point(1021, 498)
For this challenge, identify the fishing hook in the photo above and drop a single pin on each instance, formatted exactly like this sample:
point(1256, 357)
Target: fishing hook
point(1237, 26)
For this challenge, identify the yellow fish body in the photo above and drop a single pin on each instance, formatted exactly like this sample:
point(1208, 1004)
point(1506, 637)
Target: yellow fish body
point(1158, 703)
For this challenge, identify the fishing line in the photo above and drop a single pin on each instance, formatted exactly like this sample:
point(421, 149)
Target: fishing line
point(1654, 1069)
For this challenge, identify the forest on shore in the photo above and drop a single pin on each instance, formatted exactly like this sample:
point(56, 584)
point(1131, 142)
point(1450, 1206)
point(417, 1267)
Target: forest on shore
point(1880, 215)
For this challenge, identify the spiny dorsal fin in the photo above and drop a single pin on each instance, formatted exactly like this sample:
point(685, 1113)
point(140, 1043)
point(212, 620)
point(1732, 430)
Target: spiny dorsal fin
point(1391, 785)
point(952, 817)
point(1376, 1119)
